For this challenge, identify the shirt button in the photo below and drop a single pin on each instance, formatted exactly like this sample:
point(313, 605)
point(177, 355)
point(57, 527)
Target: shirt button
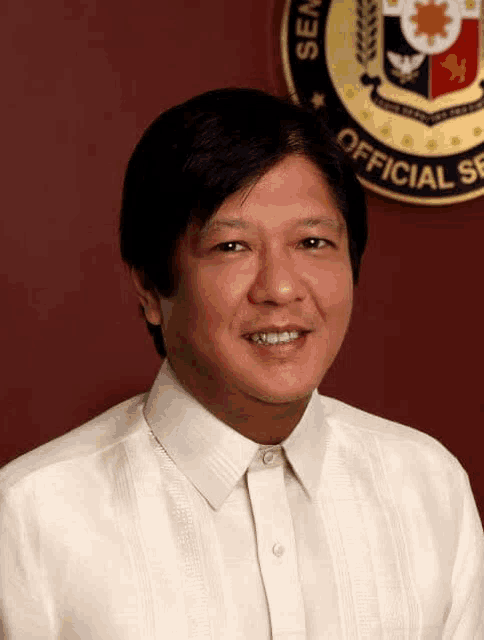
point(278, 550)
point(268, 457)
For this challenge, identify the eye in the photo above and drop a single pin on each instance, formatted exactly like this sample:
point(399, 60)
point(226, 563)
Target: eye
point(315, 243)
point(229, 247)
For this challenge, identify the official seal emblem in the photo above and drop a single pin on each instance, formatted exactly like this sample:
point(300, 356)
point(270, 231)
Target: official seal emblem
point(401, 83)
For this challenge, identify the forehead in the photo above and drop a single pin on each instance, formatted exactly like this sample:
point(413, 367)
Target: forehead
point(293, 193)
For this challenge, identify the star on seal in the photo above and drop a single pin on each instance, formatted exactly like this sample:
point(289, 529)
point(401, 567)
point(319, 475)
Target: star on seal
point(317, 100)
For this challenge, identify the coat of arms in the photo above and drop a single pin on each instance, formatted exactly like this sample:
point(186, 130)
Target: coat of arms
point(402, 84)
point(430, 48)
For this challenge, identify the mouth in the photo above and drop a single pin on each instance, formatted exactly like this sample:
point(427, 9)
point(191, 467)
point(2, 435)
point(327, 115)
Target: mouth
point(282, 341)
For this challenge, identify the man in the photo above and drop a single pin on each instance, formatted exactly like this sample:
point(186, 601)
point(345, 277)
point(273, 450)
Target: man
point(232, 500)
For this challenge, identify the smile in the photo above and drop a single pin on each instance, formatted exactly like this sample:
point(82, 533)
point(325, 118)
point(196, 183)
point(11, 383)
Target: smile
point(275, 338)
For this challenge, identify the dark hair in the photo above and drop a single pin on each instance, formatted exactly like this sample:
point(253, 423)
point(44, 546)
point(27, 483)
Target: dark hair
point(195, 155)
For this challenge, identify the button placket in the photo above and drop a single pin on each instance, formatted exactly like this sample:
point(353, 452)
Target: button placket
point(276, 548)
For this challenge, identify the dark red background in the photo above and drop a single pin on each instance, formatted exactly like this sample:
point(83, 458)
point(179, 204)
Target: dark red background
point(80, 82)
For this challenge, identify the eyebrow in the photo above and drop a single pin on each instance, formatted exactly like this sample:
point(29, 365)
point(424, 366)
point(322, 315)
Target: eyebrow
point(215, 225)
point(322, 221)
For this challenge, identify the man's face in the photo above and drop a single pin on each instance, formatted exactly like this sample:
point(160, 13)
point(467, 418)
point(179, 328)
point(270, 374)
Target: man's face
point(272, 259)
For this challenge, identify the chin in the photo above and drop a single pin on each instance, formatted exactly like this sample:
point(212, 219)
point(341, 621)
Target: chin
point(284, 392)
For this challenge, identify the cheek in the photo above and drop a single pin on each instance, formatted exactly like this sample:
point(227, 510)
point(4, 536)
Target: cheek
point(231, 280)
point(333, 287)
point(167, 308)
point(216, 296)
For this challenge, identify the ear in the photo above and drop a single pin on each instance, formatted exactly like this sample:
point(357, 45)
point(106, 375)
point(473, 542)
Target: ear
point(149, 300)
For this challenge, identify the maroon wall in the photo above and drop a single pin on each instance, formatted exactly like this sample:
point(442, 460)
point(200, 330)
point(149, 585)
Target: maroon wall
point(80, 81)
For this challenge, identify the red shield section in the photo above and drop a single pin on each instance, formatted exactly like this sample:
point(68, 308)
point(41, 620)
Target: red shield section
point(456, 68)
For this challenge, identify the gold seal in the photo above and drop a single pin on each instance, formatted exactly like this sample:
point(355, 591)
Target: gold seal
point(401, 83)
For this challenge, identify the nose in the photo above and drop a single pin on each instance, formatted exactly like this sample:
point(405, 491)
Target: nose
point(277, 281)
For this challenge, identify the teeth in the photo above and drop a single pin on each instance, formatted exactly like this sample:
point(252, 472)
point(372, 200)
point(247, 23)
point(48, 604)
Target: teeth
point(275, 338)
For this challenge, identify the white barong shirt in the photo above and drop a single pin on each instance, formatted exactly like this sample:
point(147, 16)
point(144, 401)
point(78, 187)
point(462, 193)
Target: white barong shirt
point(156, 521)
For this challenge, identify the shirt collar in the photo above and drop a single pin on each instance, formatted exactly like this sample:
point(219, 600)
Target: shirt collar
point(305, 447)
point(215, 456)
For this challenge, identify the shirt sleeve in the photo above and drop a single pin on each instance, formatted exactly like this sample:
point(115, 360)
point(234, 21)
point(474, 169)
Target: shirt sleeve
point(25, 606)
point(465, 620)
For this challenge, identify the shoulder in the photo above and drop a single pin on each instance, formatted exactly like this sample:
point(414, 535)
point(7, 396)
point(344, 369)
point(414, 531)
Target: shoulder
point(414, 476)
point(401, 449)
point(78, 447)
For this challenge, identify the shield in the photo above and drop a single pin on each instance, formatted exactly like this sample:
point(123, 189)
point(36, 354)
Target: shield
point(431, 47)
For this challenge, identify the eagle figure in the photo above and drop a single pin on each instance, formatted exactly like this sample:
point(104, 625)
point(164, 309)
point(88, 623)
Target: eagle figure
point(405, 68)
